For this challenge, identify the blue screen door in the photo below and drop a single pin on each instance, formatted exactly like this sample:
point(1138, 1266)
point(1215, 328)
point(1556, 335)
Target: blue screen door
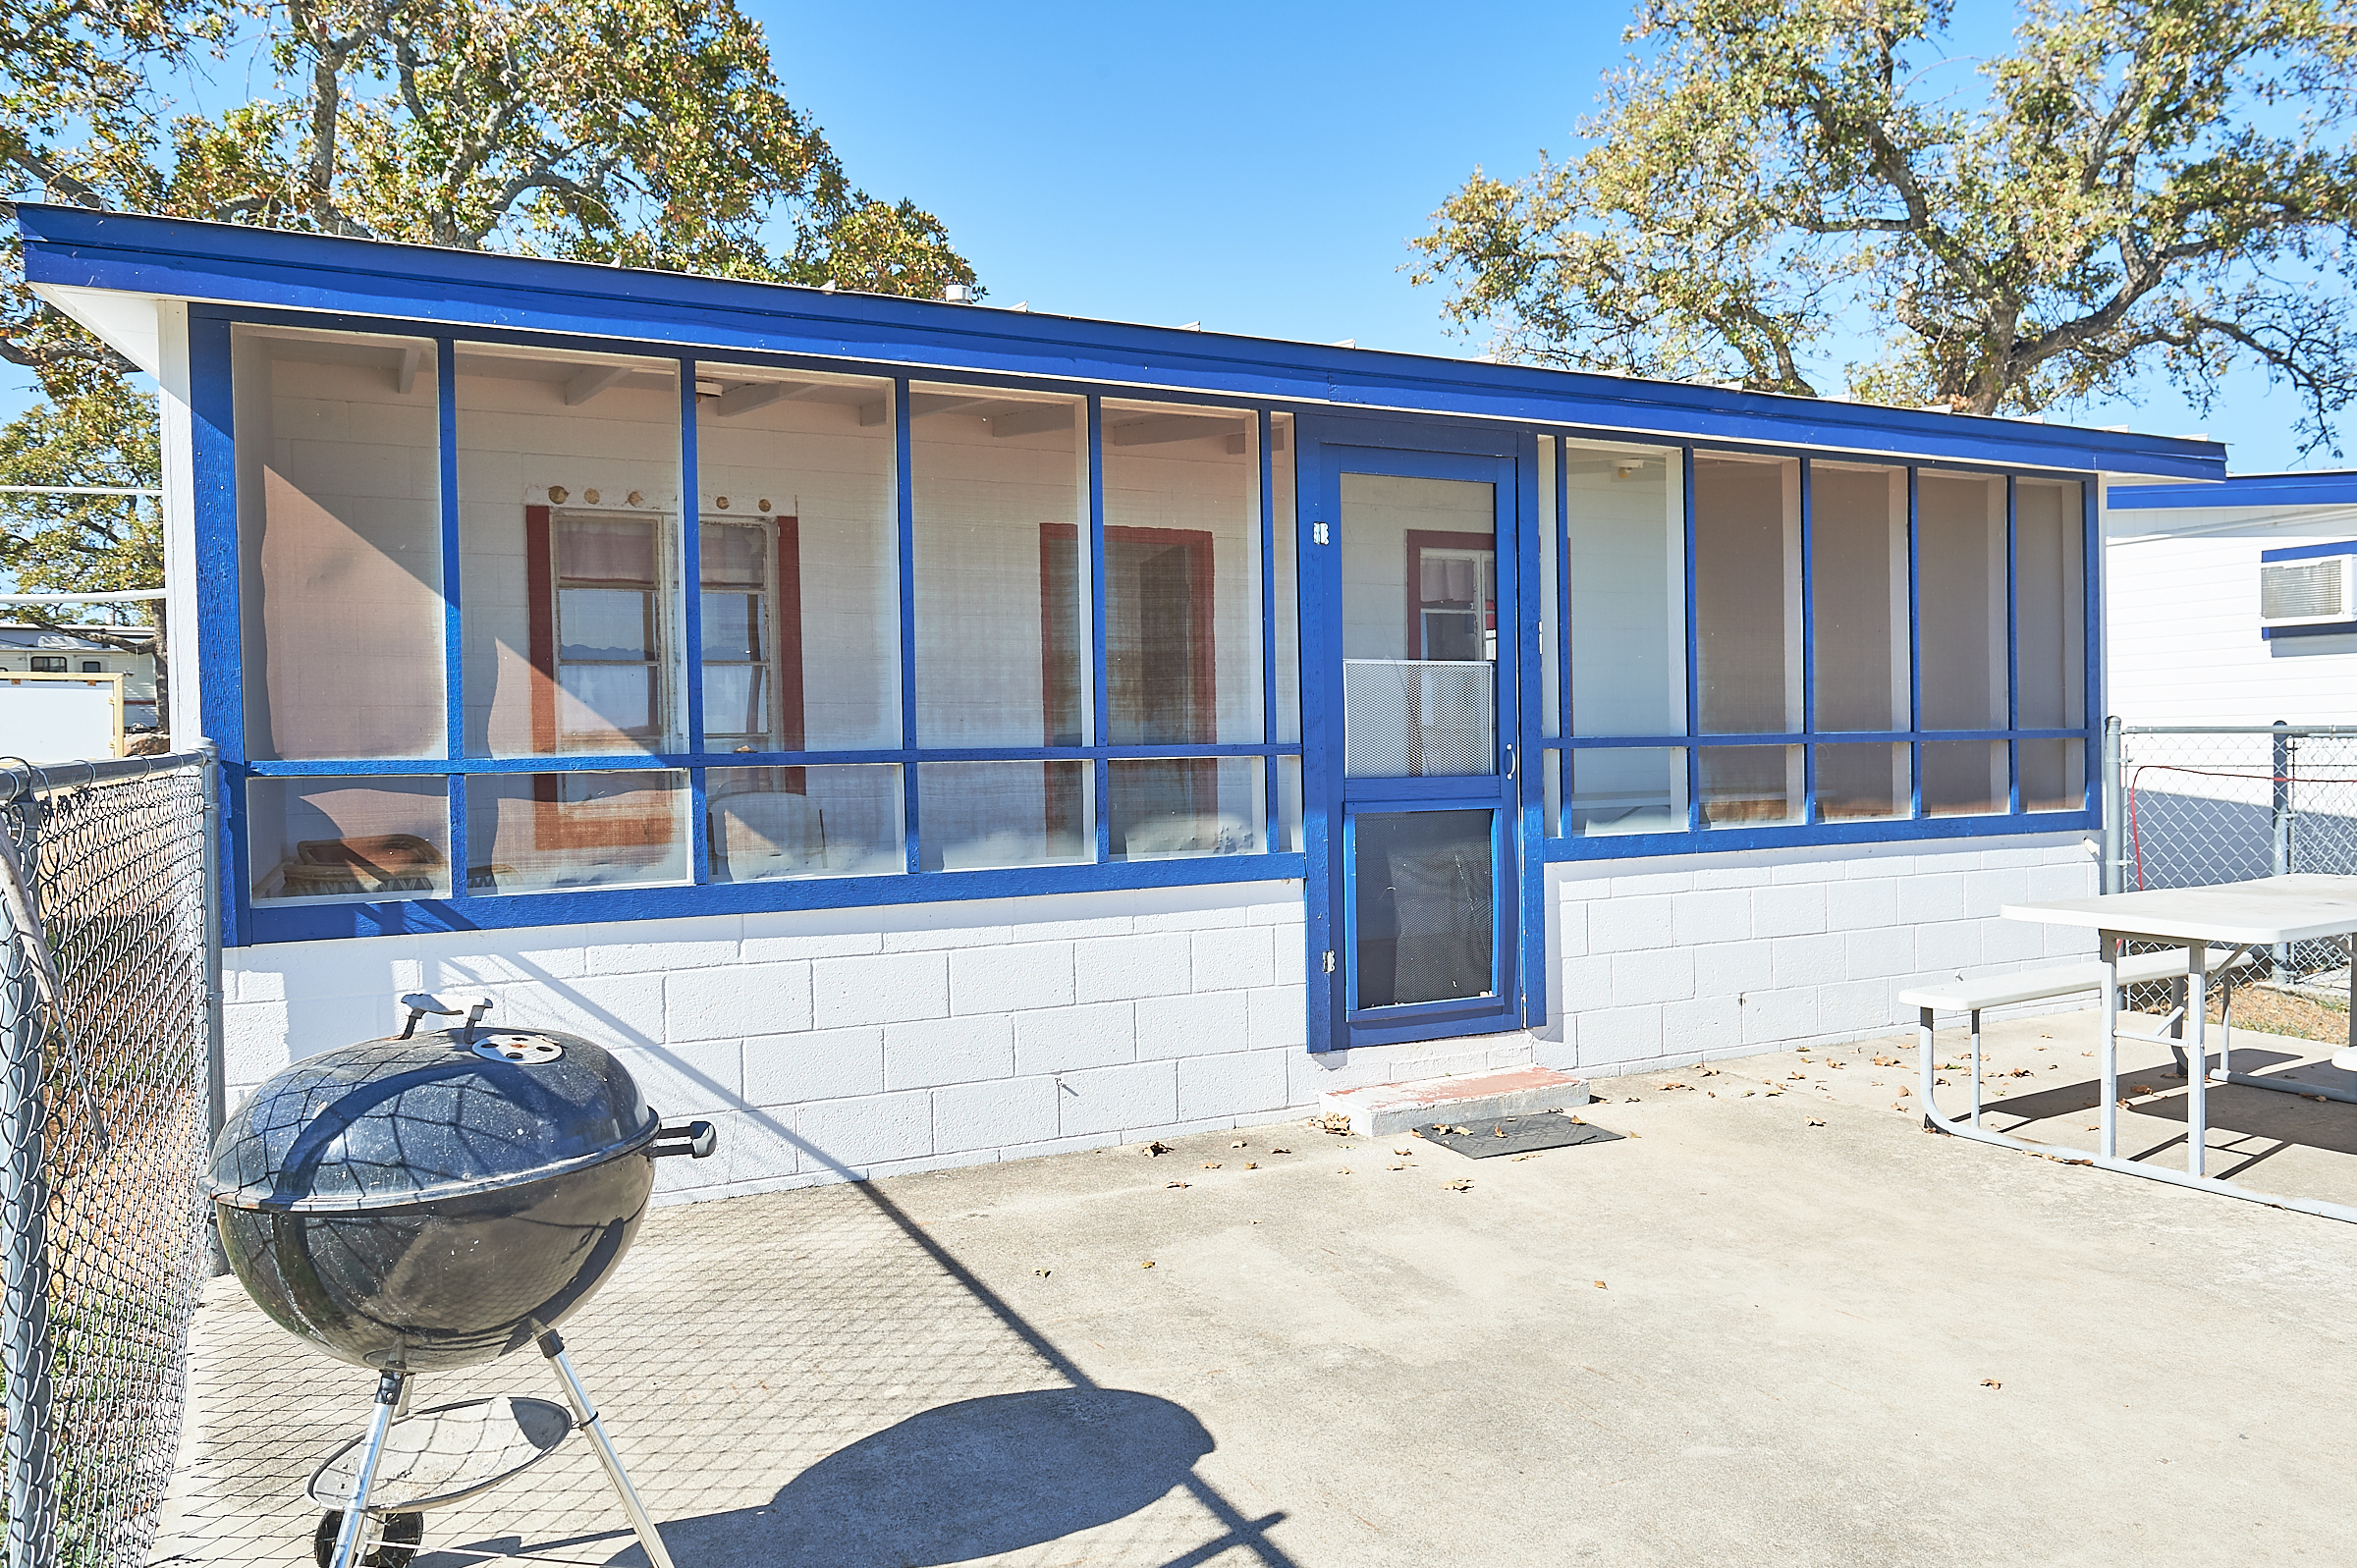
point(1413, 748)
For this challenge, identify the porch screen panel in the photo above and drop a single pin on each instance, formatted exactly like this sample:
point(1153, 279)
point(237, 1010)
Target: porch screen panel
point(2049, 555)
point(832, 821)
point(1182, 569)
point(340, 544)
point(341, 840)
point(1747, 632)
point(799, 592)
point(1858, 585)
point(1004, 636)
point(568, 519)
point(1960, 543)
point(1624, 559)
point(546, 832)
point(1285, 634)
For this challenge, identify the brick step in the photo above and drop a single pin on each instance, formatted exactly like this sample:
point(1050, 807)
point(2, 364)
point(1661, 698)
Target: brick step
point(1383, 1109)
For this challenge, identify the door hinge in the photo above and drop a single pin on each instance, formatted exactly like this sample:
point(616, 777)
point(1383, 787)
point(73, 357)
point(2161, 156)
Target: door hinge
point(1329, 960)
point(1317, 534)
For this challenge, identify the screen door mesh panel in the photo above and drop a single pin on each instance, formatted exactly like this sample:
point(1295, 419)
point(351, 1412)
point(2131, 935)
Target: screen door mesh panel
point(2298, 590)
point(1418, 718)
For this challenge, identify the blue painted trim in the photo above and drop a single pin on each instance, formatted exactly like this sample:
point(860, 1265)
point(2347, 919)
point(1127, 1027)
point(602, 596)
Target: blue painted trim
point(905, 509)
point(1808, 644)
point(1693, 632)
point(1445, 1019)
point(2092, 640)
point(1100, 700)
point(1317, 575)
point(2344, 547)
point(1888, 830)
point(2330, 629)
point(1526, 840)
point(1915, 811)
point(2013, 644)
point(1562, 523)
point(631, 761)
point(220, 556)
point(691, 557)
point(2336, 487)
point(1271, 826)
point(243, 265)
point(454, 613)
point(1798, 737)
point(682, 900)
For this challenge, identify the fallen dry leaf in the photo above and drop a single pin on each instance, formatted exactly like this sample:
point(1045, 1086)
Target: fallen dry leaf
point(1281, 1150)
point(1460, 1184)
point(1497, 1132)
point(1251, 1165)
point(1403, 1151)
point(2140, 1088)
point(1401, 1166)
point(1816, 1121)
point(1905, 1091)
point(1332, 1122)
point(1148, 1264)
point(1211, 1165)
point(1519, 1159)
point(1991, 1383)
point(1343, 1171)
point(1600, 1284)
point(1800, 1075)
point(1674, 1084)
point(1886, 1061)
point(1042, 1272)
point(1174, 1184)
point(1628, 1100)
point(1157, 1147)
point(1837, 1063)
point(1238, 1144)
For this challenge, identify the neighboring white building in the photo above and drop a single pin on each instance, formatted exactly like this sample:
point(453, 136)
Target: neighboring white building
point(919, 734)
point(63, 650)
point(2189, 643)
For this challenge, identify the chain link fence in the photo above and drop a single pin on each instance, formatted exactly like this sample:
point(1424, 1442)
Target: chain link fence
point(109, 985)
point(2187, 807)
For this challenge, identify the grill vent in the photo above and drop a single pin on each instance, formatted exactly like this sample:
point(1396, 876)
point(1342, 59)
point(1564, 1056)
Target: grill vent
point(2291, 592)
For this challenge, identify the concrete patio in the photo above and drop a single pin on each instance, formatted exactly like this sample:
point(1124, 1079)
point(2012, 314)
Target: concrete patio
point(1777, 1327)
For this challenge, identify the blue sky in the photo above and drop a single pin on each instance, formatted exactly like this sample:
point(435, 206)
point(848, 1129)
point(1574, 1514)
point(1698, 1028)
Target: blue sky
point(1257, 169)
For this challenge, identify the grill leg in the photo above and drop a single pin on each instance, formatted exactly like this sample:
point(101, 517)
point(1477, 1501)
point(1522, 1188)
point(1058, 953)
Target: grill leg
point(351, 1540)
point(584, 1416)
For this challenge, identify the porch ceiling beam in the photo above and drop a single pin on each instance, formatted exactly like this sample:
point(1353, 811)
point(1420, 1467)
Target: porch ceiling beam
point(1031, 421)
point(1170, 427)
point(755, 395)
point(589, 383)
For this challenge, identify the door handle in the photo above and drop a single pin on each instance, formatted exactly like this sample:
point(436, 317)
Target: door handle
point(1510, 760)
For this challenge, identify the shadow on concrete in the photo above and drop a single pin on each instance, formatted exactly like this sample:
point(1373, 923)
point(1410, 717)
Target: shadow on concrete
point(2281, 1120)
point(960, 1481)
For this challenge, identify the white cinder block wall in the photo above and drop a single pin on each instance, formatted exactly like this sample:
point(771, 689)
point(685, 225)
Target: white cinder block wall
point(837, 1044)
point(830, 1044)
point(1683, 958)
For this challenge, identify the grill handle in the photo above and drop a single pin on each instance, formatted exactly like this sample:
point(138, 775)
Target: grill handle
point(695, 1139)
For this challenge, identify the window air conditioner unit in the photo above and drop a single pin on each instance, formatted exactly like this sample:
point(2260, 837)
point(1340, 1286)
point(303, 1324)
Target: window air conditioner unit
point(2315, 591)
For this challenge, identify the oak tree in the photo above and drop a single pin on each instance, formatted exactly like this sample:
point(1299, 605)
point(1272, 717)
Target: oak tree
point(2137, 185)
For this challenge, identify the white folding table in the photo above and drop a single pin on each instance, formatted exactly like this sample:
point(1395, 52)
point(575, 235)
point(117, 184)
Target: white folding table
point(2267, 912)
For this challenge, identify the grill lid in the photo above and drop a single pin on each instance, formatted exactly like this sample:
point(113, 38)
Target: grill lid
point(444, 1114)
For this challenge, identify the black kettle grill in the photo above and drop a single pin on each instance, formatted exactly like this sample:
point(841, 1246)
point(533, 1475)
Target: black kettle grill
point(434, 1201)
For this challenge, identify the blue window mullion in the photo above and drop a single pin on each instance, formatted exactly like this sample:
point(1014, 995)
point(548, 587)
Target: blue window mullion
point(905, 505)
point(2090, 635)
point(1808, 645)
point(2012, 655)
point(1562, 523)
point(1098, 702)
point(692, 618)
point(1693, 650)
point(1273, 822)
point(1914, 653)
point(453, 621)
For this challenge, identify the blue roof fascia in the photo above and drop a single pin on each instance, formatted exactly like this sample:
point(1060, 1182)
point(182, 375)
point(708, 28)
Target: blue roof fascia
point(2332, 487)
point(233, 264)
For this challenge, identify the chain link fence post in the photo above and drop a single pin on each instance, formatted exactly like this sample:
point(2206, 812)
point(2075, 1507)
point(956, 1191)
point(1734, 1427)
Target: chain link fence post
point(24, 1277)
point(2280, 824)
point(210, 911)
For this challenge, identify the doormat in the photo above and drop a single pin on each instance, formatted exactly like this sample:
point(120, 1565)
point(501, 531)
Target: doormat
point(1513, 1135)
